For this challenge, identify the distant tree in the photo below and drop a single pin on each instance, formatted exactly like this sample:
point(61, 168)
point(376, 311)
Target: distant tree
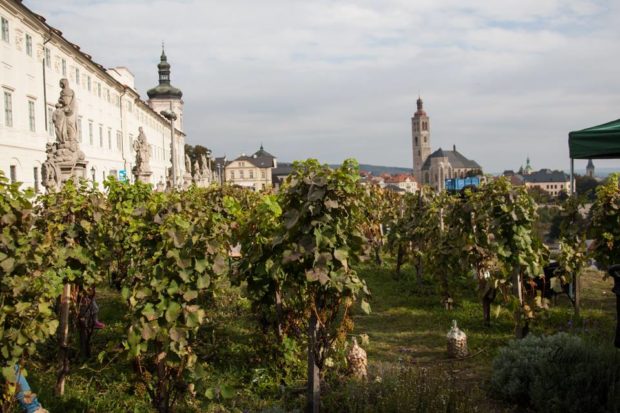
point(586, 186)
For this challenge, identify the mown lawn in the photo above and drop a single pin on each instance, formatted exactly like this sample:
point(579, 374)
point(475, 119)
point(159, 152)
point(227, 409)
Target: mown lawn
point(407, 327)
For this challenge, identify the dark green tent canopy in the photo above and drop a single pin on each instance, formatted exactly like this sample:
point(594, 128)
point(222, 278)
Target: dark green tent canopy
point(597, 142)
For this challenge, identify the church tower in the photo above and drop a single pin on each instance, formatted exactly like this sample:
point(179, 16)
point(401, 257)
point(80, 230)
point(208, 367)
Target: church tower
point(421, 136)
point(165, 96)
point(590, 169)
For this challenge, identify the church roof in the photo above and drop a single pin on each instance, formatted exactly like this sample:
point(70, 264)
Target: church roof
point(590, 164)
point(260, 159)
point(164, 90)
point(455, 158)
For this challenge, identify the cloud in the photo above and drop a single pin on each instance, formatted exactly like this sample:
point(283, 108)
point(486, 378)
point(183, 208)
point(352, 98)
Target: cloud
point(335, 78)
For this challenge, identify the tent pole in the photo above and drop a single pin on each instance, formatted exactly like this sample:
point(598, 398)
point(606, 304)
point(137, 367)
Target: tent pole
point(575, 285)
point(572, 176)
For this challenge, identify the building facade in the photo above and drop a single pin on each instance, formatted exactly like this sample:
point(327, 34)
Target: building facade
point(34, 57)
point(552, 182)
point(403, 181)
point(254, 171)
point(434, 168)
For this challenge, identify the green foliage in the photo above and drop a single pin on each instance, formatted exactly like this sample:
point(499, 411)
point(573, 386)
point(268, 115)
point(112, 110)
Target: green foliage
point(572, 257)
point(559, 373)
point(320, 243)
point(179, 247)
point(123, 199)
point(27, 293)
point(605, 228)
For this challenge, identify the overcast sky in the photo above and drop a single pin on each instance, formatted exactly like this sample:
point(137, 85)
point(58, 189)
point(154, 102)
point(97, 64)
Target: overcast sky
point(334, 79)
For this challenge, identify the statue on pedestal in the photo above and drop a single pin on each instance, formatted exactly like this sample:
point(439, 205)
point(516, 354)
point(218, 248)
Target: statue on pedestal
point(64, 160)
point(187, 177)
point(142, 169)
point(197, 177)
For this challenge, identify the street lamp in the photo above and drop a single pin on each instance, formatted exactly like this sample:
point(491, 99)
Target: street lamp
point(171, 117)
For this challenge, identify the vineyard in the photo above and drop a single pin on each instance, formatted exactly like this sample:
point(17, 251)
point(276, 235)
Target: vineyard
point(221, 299)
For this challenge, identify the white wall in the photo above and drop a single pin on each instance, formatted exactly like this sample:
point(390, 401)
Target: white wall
point(102, 101)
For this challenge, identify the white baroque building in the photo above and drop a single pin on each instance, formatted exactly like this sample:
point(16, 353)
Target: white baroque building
point(33, 58)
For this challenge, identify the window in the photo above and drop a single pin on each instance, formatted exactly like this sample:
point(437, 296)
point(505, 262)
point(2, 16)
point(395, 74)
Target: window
point(13, 173)
point(79, 128)
point(36, 179)
point(63, 67)
point(50, 122)
point(101, 136)
point(90, 131)
point(262, 174)
point(48, 58)
point(88, 84)
point(8, 109)
point(98, 89)
point(110, 138)
point(251, 174)
point(119, 140)
point(241, 174)
point(5, 30)
point(77, 76)
point(425, 139)
point(31, 120)
point(416, 140)
point(107, 95)
point(28, 44)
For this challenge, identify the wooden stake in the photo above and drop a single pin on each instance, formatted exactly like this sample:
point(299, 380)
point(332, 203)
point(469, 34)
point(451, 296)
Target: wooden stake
point(63, 339)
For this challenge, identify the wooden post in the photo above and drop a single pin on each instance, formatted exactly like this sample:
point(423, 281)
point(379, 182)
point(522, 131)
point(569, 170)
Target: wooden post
point(314, 383)
point(63, 339)
point(577, 293)
point(517, 290)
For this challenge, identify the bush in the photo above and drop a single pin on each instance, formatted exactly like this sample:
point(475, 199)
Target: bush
point(559, 373)
point(407, 390)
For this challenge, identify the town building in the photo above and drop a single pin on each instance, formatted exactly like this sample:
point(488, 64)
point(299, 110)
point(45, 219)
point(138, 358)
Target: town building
point(552, 182)
point(405, 182)
point(254, 171)
point(34, 57)
point(435, 168)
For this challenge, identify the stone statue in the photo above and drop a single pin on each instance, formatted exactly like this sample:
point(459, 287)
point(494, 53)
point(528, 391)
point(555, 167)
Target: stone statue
point(49, 170)
point(187, 177)
point(143, 155)
point(188, 164)
point(65, 114)
point(64, 160)
point(197, 174)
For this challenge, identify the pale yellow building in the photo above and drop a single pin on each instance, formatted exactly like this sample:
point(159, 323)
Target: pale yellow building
point(252, 171)
point(552, 182)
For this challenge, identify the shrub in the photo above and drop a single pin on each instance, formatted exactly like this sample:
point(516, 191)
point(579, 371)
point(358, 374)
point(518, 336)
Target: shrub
point(559, 373)
point(409, 390)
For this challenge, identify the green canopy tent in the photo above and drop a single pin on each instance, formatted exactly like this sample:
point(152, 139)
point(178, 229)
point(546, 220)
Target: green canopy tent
point(596, 142)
